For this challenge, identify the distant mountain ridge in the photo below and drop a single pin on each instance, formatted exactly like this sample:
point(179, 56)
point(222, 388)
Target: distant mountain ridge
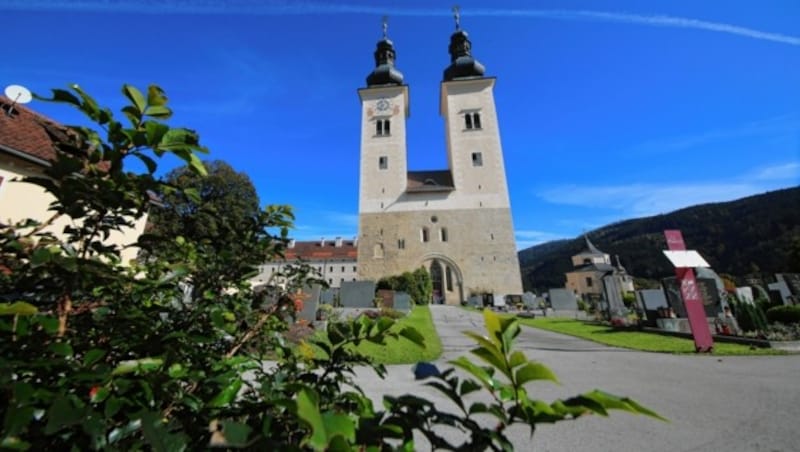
point(750, 236)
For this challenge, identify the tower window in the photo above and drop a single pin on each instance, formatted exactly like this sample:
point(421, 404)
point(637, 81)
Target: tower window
point(382, 127)
point(477, 159)
point(472, 120)
point(443, 234)
point(401, 244)
point(425, 234)
point(588, 281)
point(383, 162)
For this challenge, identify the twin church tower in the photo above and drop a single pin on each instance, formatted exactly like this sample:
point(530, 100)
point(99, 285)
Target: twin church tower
point(456, 222)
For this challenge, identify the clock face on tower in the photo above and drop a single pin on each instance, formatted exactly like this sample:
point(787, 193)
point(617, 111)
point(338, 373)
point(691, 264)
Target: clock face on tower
point(383, 105)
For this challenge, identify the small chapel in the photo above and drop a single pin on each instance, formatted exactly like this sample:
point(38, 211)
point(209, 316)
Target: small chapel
point(454, 221)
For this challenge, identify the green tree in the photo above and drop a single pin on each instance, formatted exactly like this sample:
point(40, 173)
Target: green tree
point(220, 214)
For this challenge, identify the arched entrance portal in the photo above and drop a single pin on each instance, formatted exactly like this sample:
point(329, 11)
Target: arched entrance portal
point(448, 286)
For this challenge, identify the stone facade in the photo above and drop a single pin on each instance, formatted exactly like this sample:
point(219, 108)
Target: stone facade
point(456, 222)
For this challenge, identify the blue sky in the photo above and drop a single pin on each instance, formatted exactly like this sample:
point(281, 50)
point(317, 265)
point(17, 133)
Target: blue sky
point(608, 110)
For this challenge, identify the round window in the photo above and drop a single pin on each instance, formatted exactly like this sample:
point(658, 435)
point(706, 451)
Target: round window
point(434, 219)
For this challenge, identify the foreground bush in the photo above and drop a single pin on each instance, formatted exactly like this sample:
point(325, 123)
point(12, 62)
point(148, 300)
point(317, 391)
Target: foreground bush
point(787, 314)
point(97, 355)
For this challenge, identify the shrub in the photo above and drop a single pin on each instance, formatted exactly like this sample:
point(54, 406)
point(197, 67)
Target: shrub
point(787, 314)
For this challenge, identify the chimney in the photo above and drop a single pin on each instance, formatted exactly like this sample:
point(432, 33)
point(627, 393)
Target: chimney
point(338, 242)
point(355, 241)
point(291, 243)
point(322, 242)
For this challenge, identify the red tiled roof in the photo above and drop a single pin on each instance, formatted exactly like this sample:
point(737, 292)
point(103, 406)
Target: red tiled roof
point(26, 131)
point(314, 250)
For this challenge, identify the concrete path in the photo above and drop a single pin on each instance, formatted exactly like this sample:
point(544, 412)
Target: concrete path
point(714, 403)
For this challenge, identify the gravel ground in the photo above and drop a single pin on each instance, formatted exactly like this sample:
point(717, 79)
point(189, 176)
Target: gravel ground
point(726, 404)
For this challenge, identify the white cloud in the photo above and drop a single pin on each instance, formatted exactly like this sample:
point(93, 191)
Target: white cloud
point(638, 200)
point(294, 8)
point(787, 171)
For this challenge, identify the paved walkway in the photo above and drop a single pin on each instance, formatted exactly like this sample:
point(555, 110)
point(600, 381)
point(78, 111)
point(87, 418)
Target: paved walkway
point(714, 403)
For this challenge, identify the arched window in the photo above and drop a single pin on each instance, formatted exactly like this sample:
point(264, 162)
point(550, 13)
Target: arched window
point(425, 233)
point(443, 234)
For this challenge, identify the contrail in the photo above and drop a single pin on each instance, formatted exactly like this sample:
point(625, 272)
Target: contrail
point(260, 7)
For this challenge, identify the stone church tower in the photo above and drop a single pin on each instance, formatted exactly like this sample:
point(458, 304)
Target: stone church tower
point(456, 222)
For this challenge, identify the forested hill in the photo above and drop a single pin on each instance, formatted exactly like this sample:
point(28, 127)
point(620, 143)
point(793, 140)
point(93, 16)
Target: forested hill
point(747, 237)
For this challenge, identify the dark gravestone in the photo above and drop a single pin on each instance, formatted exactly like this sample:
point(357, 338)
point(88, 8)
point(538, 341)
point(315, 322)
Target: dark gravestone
point(709, 293)
point(613, 292)
point(357, 294)
point(327, 296)
point(402, 301)
point(652, 299)
point(386, 297)
point(674, 299)
point(475, 301)
point(563, 300)
point(792, 282)
point(529, 300)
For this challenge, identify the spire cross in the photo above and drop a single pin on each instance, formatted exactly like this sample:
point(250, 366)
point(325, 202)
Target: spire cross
point(385, 26)
point(457, 16)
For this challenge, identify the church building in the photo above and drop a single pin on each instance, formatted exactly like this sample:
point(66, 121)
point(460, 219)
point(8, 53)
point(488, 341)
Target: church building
point(455, 221)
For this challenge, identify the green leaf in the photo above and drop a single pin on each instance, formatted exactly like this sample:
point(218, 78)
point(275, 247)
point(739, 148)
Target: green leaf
point(113, 404)
point(517, 358)
point(62, 414)
point(534, 371)
point(308, 411)
point(60, 95)
point(100, 395)
point(50, 324)
point(61, 349)
point(123, 432)
point(227, 395)
point(40, 257)
point(14, 443)
point(177, 371)
point(612, 402)
point(476, 371)
point(154, 131)
point(92, 356)
point(156, 95)
point(493, 327)
point(158, 111)
point(339, 425)
point(197, 165)
point(18, 308)
point(142, 365)
point(234, 434)
point(158, 437)
point(490, 357)
point(135, 96)
point(413, 335)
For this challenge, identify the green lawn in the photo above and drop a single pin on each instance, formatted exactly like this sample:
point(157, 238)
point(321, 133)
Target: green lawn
point(637, 340)
point(403, 351)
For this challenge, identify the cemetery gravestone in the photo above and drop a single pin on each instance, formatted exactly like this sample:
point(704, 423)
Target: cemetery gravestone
point(386, 297)
point(357, 294)
point(402, 302)
point(563, 300)
point(529, 300)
